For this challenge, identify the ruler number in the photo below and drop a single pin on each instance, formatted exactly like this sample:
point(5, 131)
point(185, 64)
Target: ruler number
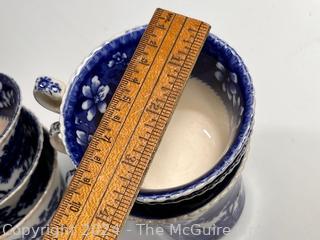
point(103, 215)
point(104, 198)
point(131, 158)
point(135, 80)
point(116, 119)
point(153, 43)
point(126, 98)
point(75, 206)
point(155, 106)
point(144, 61)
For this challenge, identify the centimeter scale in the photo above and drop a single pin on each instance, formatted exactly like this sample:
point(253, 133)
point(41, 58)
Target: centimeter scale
point(107, 181)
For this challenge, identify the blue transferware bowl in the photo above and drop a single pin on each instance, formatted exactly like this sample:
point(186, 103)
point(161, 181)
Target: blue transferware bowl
point(92, 87)
point(39, 201)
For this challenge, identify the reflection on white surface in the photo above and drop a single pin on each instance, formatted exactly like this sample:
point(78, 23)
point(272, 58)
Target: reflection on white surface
point(207, 133)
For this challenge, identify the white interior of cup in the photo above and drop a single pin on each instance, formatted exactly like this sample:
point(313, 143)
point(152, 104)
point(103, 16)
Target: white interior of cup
point(201, 130)
point(198, 134)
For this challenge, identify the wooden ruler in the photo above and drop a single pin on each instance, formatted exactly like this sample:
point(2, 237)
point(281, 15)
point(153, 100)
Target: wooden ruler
point(107, 181)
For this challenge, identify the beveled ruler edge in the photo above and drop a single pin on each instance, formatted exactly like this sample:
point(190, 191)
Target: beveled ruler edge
point(91, 157)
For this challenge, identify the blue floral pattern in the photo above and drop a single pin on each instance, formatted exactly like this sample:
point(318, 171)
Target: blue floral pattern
point(117, 58)
point(109, 64)
point(46, 84)
point(47, 214)
point(19, 155)
point(94, 88)
point(13, 214)
point(83, 138)
point(95, 94)
point(45, 170)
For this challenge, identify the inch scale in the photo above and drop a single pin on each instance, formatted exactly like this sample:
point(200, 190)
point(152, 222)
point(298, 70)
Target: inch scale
point(107, 181)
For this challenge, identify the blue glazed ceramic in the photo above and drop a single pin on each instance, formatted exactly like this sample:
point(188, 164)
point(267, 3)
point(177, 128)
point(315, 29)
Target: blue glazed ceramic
point(19, 157)
point(93, 85)
point(48, 88)
point(10, 105)
point(38, 203)
point(14, 213)
point(22, 154)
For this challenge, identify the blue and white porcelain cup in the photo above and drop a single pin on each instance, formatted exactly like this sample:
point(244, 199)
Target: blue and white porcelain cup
point(85, 99)
point(25, 154)
point(21, 141)
point(36, 206)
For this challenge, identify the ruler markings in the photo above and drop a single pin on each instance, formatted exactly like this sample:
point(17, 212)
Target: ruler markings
point(124, 151)
point(102, 195)
point(123, 121)
point(123, 194)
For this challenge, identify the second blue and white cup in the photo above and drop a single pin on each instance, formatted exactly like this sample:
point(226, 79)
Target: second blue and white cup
point(31, 185)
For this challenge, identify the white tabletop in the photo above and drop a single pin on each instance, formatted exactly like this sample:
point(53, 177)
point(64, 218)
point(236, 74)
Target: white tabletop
point(278, 40)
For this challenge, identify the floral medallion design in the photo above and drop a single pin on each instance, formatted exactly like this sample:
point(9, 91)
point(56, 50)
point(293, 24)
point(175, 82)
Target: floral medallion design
point(94, 104)
point(95, 98)
point(91, 92)
point(117, 58)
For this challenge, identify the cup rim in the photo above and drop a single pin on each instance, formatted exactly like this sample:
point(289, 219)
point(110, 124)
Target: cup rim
point(36, 207)
point(34, 165)
point(12, 123)
point(237, 177)
point(225, 161)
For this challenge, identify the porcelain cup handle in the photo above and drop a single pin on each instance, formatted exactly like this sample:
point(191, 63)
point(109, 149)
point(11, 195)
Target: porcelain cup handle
point(49, 92)
point(55, 137)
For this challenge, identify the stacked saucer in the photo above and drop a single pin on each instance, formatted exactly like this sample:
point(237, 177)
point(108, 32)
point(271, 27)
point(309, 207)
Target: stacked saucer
point(30, 182)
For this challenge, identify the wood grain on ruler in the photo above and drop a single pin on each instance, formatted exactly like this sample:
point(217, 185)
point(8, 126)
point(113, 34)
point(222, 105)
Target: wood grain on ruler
point(108, 179)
